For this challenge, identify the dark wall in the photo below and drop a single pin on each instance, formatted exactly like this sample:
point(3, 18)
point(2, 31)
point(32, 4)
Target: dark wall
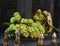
point(56, 17)
point(25, 7)
point(7, 7)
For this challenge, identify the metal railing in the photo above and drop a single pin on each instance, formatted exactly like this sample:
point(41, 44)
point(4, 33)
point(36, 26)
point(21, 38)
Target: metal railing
point(17, 39)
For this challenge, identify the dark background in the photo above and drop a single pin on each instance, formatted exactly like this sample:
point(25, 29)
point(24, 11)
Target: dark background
point(26, 8)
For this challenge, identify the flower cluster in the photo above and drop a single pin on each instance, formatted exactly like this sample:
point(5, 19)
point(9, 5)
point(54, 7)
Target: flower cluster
point(27, 27)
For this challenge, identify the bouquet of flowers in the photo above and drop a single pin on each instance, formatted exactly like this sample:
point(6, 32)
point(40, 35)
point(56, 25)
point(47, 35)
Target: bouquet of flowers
point(27, 27)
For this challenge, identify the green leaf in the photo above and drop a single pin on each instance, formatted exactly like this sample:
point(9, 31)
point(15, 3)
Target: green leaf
point(7, 23)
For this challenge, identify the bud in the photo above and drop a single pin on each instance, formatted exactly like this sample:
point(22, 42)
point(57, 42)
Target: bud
point(41, 40)
point(53, 43)
point(54, 36)
point(5, 40)
point(39, 11)
point(17, 39)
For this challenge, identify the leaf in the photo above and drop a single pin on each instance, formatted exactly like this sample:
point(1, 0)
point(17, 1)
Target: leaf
point(7, 23)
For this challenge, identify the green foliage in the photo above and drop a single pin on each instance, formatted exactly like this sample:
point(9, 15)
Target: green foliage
point(27, 27)
point(40, 26)
point(24, 20)
point(10, 28)
point(36, 17)
point(16, 18)
point(6, 23)
point(30, 21)
point(12, 20)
